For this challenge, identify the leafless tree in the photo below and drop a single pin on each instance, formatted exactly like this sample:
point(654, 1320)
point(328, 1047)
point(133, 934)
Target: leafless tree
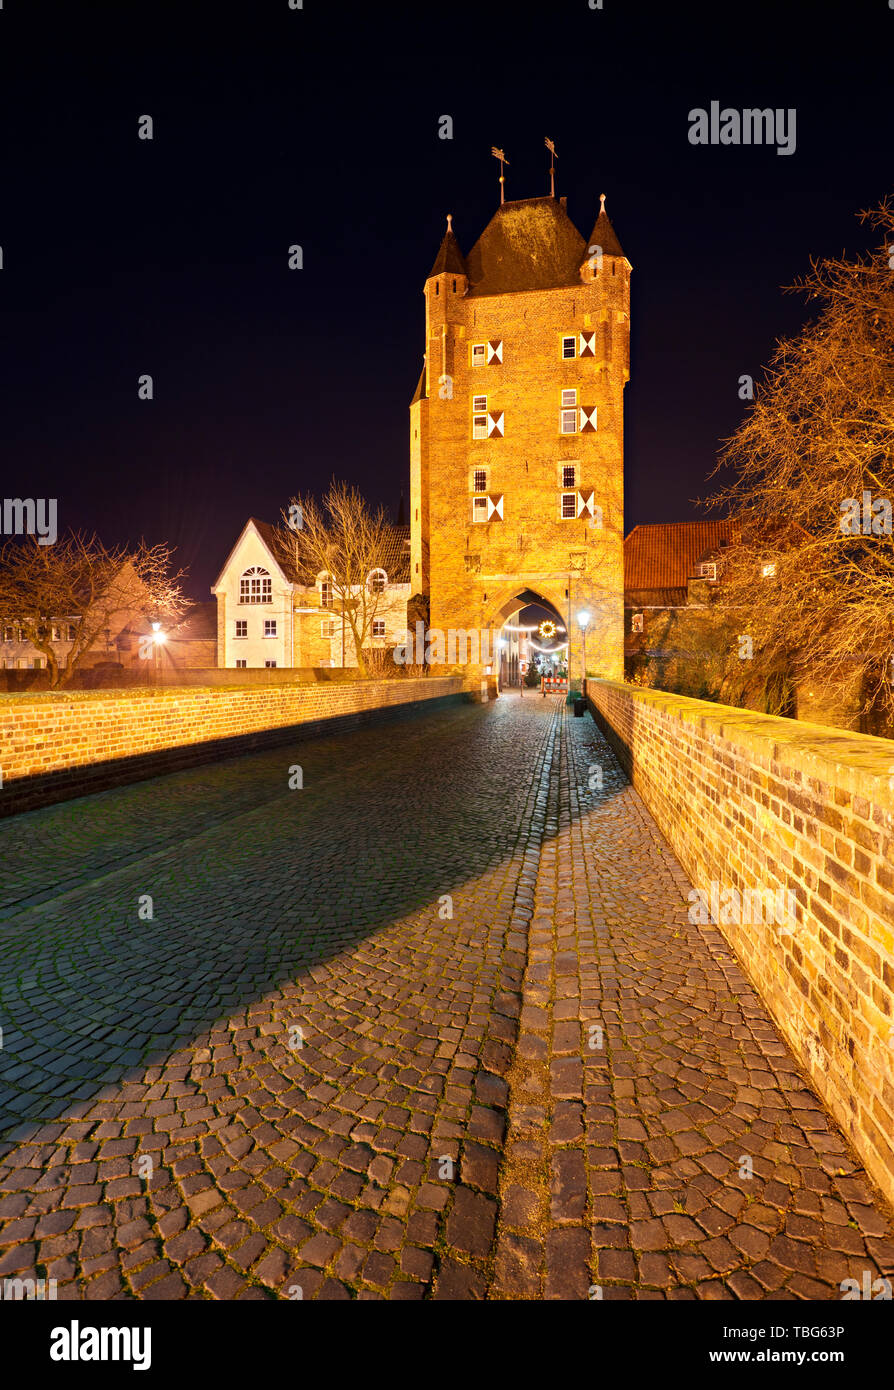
point(343, 537)
point(81, 584)
point(812, 586)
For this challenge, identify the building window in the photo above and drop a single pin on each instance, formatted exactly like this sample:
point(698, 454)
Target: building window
point(378, 627)
point(255, 586)
point(376, 581)
point(269, 627)
point(636, 622)
point(326, 593)
point(479, 354)
point(708, 571)
point(569, 475)
point(569, 346)
point(569, 398)
point(327, 627)
point(240, 665)
point(241, 627)
point(8, 635)
point(269, 664)
point(479, 427)
point(71, 632)
point(57, 633)
point(568, 422)
point(479, 509)
point(479, 479)
point(569, 506)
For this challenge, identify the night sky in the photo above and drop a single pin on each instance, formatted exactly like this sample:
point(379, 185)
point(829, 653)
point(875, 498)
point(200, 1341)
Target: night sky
point(320, 127)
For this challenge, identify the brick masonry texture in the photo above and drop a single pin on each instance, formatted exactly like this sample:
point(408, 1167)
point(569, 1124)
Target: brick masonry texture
point(444, 1130)
point(751, 801)
point(57, 745)
point(474, 570)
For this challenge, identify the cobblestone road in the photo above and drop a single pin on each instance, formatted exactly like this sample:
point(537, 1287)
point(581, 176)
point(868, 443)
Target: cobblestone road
point(433, 1025)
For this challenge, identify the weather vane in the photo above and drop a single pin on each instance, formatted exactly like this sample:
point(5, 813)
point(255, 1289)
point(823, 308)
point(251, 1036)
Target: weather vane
point(552, 166)
point(501, 156)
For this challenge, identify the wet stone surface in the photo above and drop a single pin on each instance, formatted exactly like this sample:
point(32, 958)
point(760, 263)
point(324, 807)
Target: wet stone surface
point(345, 1050)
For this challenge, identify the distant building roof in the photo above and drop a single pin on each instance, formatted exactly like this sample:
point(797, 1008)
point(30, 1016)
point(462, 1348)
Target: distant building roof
point(197, 624)
point(395, 558)
point(660, 559)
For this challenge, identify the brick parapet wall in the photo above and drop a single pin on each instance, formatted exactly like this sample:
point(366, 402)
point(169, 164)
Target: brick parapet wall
point(63, 744)
point(749, 801)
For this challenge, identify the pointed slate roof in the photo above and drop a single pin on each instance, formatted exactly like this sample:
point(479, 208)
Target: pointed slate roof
point(449, 260)
point(419, 394)
point(603, 234)
point(531, 244)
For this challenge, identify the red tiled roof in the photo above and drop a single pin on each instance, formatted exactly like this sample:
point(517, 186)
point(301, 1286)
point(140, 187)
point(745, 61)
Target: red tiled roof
point(664, 556)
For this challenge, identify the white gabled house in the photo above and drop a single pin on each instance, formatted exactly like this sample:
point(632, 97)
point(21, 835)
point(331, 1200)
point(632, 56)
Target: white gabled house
point(269, 616)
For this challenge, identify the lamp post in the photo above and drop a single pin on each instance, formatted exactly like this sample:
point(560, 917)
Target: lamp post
point(583, 622)
point(158, 638)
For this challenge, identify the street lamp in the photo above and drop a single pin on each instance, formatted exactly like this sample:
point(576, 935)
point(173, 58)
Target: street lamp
point(158, 638)
point(583, 622)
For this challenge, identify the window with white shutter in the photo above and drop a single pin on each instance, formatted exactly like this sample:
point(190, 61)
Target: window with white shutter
point(479, 509)
point(569, 506)
point(568, 422)
point(569, 346)
point(479, 351)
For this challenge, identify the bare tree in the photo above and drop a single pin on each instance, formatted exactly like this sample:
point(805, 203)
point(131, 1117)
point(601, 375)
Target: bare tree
point(811, 577)
point(81, 584)
point(345, 539)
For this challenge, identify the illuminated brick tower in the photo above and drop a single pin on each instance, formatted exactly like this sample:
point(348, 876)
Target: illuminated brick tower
point(517, 428)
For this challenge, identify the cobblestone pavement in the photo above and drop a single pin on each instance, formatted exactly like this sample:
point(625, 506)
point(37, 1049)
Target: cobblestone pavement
point(263, 1042)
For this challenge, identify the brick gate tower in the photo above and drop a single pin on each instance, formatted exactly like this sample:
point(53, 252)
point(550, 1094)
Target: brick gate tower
point(517, 428)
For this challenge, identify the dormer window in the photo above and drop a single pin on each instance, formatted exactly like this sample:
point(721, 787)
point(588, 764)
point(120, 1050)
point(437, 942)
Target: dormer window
point(376, 581)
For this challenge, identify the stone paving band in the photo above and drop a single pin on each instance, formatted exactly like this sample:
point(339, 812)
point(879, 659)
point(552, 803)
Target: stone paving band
point(435, 1025)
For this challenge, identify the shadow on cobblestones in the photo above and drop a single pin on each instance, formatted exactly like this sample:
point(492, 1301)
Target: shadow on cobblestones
point(262, 1042)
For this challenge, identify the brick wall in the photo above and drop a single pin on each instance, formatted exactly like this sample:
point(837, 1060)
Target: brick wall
point(751, 801)
point(58, 745)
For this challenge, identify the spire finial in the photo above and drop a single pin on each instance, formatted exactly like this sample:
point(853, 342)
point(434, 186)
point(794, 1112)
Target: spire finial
point(501, 156)
point(552, 166)
point(450, 221)
point(601, 203)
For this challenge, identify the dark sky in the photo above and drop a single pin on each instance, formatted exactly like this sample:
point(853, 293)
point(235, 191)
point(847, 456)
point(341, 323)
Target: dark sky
point(320, 127)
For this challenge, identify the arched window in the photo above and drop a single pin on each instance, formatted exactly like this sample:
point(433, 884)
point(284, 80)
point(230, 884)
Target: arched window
point(376, 581)
point(255, 586)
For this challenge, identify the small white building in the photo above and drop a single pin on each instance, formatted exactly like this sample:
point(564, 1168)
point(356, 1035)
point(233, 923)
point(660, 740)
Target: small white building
point(269, 616)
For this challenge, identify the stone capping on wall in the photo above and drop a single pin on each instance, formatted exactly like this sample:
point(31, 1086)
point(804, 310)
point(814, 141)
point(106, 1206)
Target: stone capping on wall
point(61, 744)
point(749, 800)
